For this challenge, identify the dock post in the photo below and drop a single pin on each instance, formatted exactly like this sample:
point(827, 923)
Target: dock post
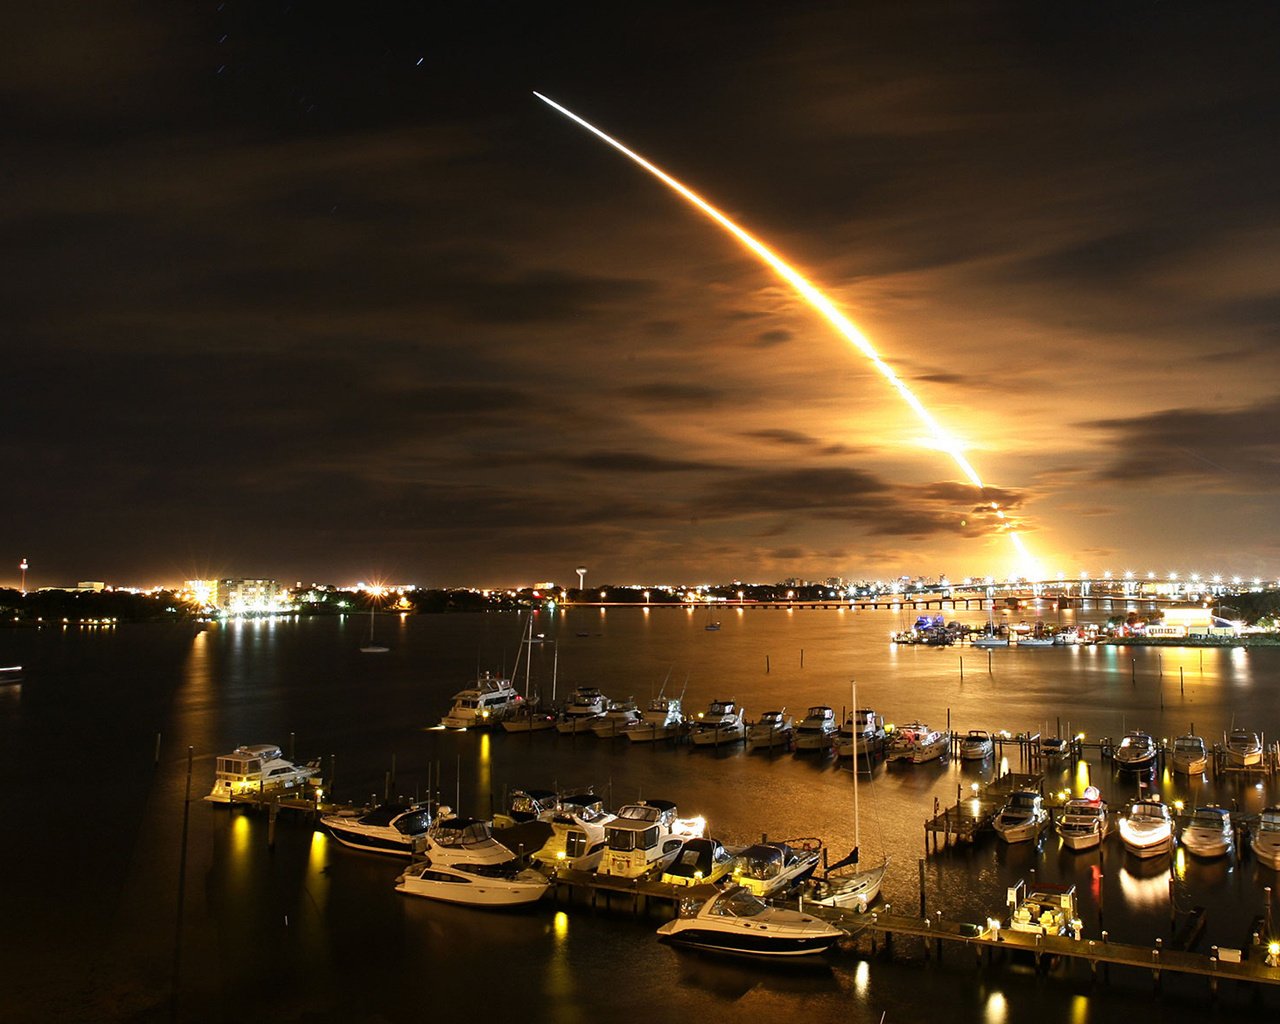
point(766, 664)
point(1182, 681)
point(157, 760)
point(923, 909)
point(272, 811)
point(292, 737)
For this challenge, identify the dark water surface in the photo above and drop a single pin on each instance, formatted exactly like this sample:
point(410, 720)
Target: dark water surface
point(93, 928)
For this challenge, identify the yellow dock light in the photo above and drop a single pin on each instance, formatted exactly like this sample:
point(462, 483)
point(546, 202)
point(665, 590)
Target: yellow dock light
point(1273, 954)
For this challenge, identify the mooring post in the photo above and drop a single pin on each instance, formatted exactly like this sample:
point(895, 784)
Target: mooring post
point(157, 760)
point(292, 737)
point(1182, 681)
point(962, 668)
point(923, 908)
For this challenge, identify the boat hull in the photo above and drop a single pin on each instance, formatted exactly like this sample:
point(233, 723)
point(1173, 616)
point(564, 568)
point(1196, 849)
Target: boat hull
point(711, 737)
point(476, 893)
point(747, 943)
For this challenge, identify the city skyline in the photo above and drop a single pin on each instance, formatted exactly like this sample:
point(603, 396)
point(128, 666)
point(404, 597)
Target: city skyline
point(310, 296)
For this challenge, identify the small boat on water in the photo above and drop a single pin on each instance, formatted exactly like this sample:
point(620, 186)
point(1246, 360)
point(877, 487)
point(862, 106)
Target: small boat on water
point(1136, 753)
point(1147, 829)
point(393, 828)
point(699, 861)
point(862, 733)
point(645, 837)
point(577, 834)
point(1067, 636)
point(817, 730)
point(1266, 838)
point(1022, 818)
point(475, 885)
point(976, 746)
point(736, 922)
point(721, 723)
point(1242, 749)
point(917, 743)
point(768, 868)
point(619, 716)
point(485, 703)
point(1189, 756)
point(772, 729)
point(1208, 832)
point(1046, 910)
point(990, 641)
point(257, 769)
point(660, 720)
point(1035, 640)
point(1084, 821)
point(528, 717)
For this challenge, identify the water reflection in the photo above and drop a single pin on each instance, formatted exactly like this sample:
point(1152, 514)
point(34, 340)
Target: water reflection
point(1145, 884)
point(996, 1010)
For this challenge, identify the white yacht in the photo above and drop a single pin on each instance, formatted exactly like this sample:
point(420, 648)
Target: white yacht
point(661, 719)
point(817, 730)
point(1046, 910)
point(462, 841)
point(1208, 833)
point(528, 805)
point(257, 769)
point(618, 718)
point(586, 707)
point(577, 834)
point(644, 838)
point(768, 868)
point(1136, 753)
point(1266, 838)
point(1067, 636)
point(1147, 830)
point(1084, 822)
point(388, 828)
point(476, 885)
point(736, 922)
point(1190, 757)
point(773, 729)
point(720, 723)
point(976, 746)
point(862, 734)
point(486, 703)
point(917, 743)
point(1243, 749)
point(1022, 818)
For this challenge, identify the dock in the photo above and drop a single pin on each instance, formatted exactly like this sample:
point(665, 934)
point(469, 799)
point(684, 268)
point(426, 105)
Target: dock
point(589, 886)
point(964, 820)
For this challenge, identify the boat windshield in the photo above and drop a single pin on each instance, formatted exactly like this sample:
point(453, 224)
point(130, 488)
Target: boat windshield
point(1151, 812)
point(1190, 744)
point(461, 832)
point(1024, 801)
point(1270, 820)
point(508, 870)
point(1217, 821)
point(761, 862)
point(639, 812)
point(737, 903)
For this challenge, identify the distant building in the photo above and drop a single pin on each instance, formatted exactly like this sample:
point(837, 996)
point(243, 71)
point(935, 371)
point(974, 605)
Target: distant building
point(94, 586)
point(241, 596)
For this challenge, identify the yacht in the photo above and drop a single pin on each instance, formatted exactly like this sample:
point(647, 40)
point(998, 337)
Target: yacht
point(660, 720)
point(1189, 755)
point(1266, 839)
point(1022, 818)
point(700, 861)
point(586, 707)
point(817, 730)
point(774, 729)
point(1046, 910)
point(528, 805)
point(389, 828)
point(257, 769)
point(1067, 636)
point(577, 834)
point(618, 717)
point(1147, 830)
point(486, 703)
point(736, 922)
point(862, 734)
point(463, 841)
point(977, 746)
point(1136, 753)
point(1053, 747)
point(1208, 832)
point(476, 885)
point(1243, 749)
point(768, 868)
point(645, 838)
point(720, 723)
point(1084, 822)
point(917, 743)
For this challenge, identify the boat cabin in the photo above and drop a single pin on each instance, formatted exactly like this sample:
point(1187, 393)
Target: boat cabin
point(699, 860)
point(257, 768)
point(644, 837)
point(1047, 910)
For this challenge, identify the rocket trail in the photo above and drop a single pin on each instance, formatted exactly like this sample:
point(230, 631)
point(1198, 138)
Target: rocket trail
point(809, 293)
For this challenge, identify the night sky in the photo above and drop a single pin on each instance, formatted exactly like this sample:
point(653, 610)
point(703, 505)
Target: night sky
point(325, 293)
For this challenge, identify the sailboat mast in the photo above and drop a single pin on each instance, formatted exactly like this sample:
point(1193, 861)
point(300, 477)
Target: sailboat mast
point(854, 685)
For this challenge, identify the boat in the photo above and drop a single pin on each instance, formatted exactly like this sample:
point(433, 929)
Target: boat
point(1022, 818)
point(1084, 821)
point(1189, 756)
point(1266, 838)
point(1136, 753)
point(644, 838)
point(487, 702)
point(661, 719)
point(817, 730)
point(736, 922)
point(1053, 747)
point(463, 841)
point(373, 647)
point(528, 805)
point(577, 834)
point(1208, 833)
point(720, 723)
point(712, 627)
point(862, 734)
point(700, 861)
point(917, 743)
point(976, 746)
point(584, 708)
point(255, 770)
point(1242, 749)
point(530, 716)
point(1046, 910)
point(772, 729)
point(1036, 640)
point(1067, 636)
point(990, 641)
point(475, 885)
point(618, 717)
point(394, 828)
point(1147, 829)
point(766, 869)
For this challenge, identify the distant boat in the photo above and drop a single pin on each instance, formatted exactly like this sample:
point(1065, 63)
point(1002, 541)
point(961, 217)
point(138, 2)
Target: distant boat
point(372, 647)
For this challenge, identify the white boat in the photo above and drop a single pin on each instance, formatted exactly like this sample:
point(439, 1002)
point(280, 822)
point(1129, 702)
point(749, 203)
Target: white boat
point(1022, 818)
point(1147, 829)
point(661, 719)
point(461, 841)
point(700, 861)
point(475, 885)
point(1242, 748)
point(990, 641)
point(1036, 640)
point(772, 729)
point(917, 743)
point(1266, 838)
point(1136, 753)
point(389, 828)
point(257, 769)
point(765, 869)
point(528, 717)
point(644, 838)
point(817, 730)
point(528, 805)
point(1046, 910)
point(577, 834)
point(1208, 833)
point(862, 734)
point(736, 922)
point(1084, 821)
point(586, 707)
point(1067, 636)
point(373, 647)
point(1189, 756)
point(720, 723)
point(620, 716)
point(976, 746)
point(1053, 747)
point(487, 702)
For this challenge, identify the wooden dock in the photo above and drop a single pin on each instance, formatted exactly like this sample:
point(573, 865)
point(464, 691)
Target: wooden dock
point(971, 815)
point(641, 892)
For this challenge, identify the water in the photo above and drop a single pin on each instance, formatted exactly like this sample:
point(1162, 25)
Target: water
point(311, 931)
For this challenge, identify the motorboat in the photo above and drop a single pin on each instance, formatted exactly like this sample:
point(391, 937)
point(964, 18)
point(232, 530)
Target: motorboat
point(1189, 756)
point(699, 861)
point(528, 805)
point(1147, 829)
point(1052, 748)
point(1242, 749)
point(1067, 636)
point(976, 746)
point(463, 841)
point(721, 723)
point(1208, 832)
point(1022, 818)
point(817, 729)
point(772, 729)
point(586, 707)
point(862, 734)
point(768, 868)
point(1046, 910)
point(486, 703)
point(736, 922)
point(917, 743)
point(618, 717)
point(1136, 753)
point(476, 885)
point(255, 770)
point(645, 838)
point(577, 834)
point(393, 828)
point(1084, 821)
point(661, 719)
point(1266, 838)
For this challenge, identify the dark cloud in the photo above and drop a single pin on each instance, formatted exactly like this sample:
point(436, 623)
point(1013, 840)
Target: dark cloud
point(769, 339)
point(633, 462)
point(674, 393)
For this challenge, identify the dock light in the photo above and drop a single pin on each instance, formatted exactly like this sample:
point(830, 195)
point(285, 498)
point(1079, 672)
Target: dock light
point(559, 854)
point(1273, 954)
point(973, 786)
point(994, 927)
point(1079, 737)
point(697, 876)
point(1177, 806)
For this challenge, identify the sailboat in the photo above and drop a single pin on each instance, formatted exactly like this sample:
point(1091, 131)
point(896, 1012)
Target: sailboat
point(529, 717)
point(844, 884)
point(373, 647)
point(991, 638)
